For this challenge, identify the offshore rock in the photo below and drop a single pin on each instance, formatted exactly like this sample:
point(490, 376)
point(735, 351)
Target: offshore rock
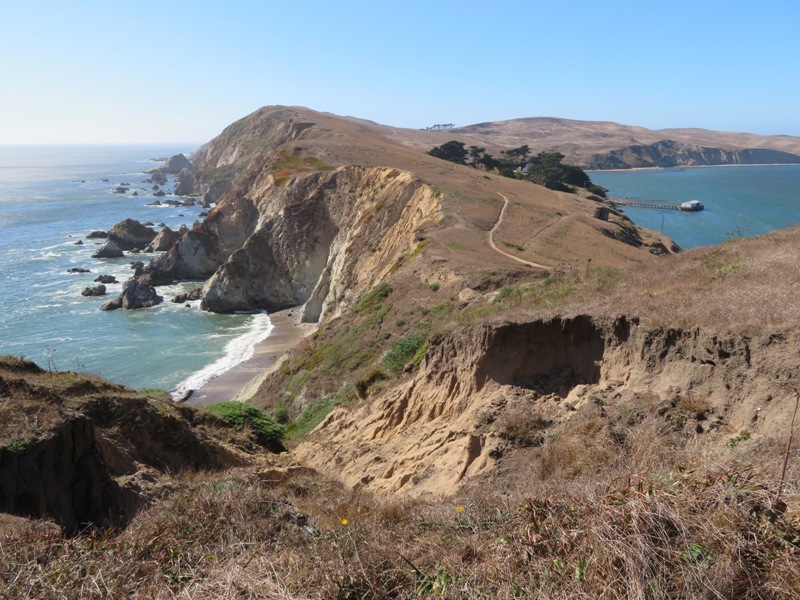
point(98, 290)
point(108, 250)
point(194, 294)
point(173, 165)
point(134, 295)
point(130, 233)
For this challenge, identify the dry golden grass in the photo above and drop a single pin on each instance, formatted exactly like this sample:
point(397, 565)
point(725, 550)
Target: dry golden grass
point(745, 286)
point(690, 533)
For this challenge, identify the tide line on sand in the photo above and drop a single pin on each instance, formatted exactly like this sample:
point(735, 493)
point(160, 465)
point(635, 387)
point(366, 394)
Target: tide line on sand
point(242, 380)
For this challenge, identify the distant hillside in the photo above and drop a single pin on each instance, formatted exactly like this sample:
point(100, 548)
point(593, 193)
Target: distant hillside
point(607, 145)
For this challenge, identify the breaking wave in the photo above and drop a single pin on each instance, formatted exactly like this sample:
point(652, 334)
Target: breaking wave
point(237, 351)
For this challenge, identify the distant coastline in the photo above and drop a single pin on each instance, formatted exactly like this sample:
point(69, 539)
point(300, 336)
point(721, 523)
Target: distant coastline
point(689, 167)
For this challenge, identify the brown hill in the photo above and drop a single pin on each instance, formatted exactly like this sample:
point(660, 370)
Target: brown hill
point(594, 143)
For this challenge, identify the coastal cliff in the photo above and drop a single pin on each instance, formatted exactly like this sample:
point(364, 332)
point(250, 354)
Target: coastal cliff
point(302, 240)
point(309, 214)
point(669, 153)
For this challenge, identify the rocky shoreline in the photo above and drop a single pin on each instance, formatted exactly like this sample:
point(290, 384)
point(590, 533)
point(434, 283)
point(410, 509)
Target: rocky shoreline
point(130, 236)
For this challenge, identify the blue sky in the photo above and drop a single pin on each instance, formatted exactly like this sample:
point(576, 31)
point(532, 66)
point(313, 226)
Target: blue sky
point(178, 71)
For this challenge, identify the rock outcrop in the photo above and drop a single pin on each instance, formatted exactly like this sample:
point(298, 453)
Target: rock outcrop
point(130, 233)
point(134, 295)
point(165, 240)
point(98, 290)
point(173, 165)
point(194, 294)
point(274, 245)
point(109, 250)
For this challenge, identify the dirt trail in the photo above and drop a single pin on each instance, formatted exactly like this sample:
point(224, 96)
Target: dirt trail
point(496, 249)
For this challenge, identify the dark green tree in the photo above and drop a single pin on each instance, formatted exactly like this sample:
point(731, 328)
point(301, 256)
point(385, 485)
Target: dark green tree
point(518, 156)
point(476, 153)
point(453, 151)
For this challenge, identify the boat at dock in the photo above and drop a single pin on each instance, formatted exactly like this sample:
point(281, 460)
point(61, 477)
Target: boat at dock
point(691, 206)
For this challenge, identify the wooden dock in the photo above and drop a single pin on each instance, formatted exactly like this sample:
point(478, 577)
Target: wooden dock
point(635, 203)
point(616, 202)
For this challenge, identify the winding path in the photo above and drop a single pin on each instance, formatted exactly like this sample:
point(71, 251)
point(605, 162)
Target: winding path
point(496, 249)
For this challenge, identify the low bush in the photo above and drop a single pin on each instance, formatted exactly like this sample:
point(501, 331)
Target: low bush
point(402, 352)
point(249, 418)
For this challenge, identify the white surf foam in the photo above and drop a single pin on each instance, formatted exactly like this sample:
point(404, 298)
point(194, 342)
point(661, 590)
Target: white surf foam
point(237, 351)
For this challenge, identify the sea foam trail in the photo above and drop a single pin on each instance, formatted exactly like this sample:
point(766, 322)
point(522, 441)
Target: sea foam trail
point(237, 351)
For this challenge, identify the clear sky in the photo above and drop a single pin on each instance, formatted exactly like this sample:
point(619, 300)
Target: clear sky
point(91, 71)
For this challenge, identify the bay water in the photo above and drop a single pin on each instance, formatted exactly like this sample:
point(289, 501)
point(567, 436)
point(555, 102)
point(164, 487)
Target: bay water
point(50, 198)
point(739, 201)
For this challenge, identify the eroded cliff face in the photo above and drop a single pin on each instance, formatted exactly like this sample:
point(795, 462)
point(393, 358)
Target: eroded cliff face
point(669, 153)
point(64, 477)
point(320, 238)
point(241, 146)
point(445, 425)
point(85, 452)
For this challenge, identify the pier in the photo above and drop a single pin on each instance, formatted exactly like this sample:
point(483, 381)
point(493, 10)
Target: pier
point(691, 206)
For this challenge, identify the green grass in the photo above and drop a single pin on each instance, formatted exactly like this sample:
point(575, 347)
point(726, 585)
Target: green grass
point(372, 300)
point(157, 392)
point(459, 246)
point(516, 247)
point(246, 417)
point(17, 446)
point(402, 352)
point(420, 247)
point(312, 416)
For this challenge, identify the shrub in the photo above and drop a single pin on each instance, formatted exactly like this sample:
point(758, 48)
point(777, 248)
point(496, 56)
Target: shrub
point(402, 352)
point(372, 300)
point(516, 247)
point(242, 415)
point(157, 392)
point(524, 428)
point(17, 446)
point(281, 414)
point(368, 380)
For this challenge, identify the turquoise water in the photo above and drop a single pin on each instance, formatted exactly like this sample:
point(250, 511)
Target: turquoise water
point(742, 200)
point(50, 197)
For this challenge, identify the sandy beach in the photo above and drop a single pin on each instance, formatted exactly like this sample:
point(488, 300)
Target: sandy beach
point(241, 381)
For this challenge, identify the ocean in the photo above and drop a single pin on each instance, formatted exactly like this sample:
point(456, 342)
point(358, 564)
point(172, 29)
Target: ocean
point(739, 201)
point(53, 196)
